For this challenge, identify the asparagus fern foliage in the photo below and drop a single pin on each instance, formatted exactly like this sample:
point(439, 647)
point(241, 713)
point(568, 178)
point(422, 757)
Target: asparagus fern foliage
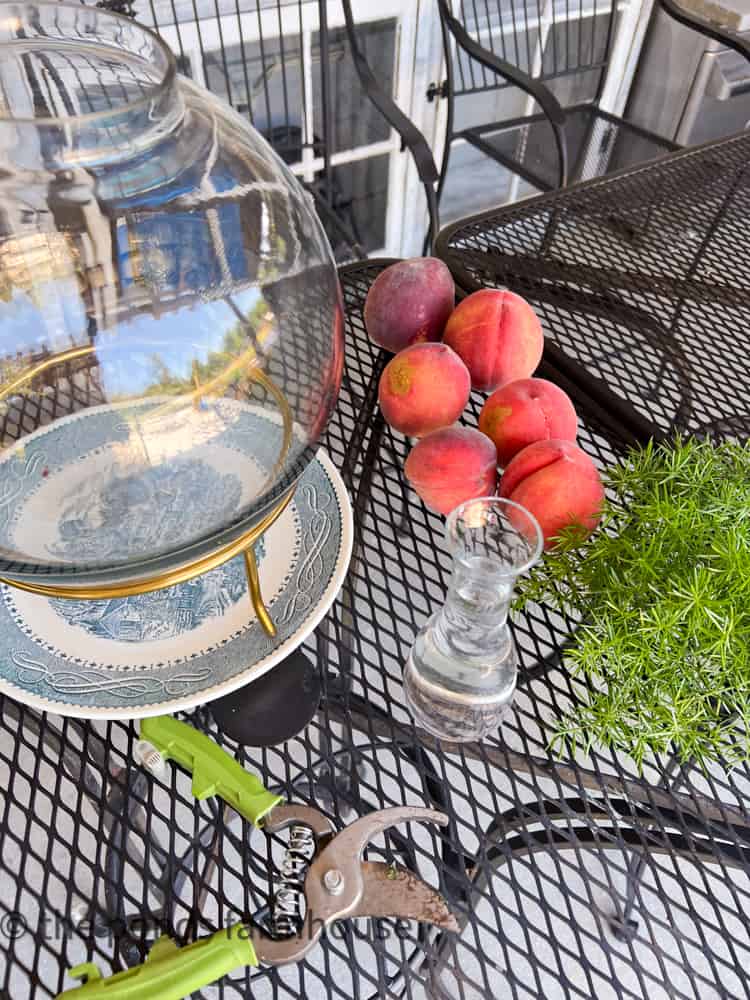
point(662, 593)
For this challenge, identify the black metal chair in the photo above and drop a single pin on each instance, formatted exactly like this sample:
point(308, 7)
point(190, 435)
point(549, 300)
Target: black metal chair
point(263, 80)
point(558, 145)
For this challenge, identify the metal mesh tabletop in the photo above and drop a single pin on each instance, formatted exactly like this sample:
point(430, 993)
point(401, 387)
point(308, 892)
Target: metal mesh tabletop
point(641, 279)
point(535, 861)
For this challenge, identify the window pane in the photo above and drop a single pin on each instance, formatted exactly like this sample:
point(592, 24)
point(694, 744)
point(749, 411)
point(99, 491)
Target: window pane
point(355, 120)
point(475, 182)
point(266, 83)
point(360, 199)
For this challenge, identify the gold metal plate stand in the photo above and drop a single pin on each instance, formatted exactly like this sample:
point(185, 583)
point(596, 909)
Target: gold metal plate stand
point(244, 544)
point(244, 366)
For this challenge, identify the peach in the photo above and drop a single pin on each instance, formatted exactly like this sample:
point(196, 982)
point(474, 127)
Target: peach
point(527, 410)
point(450, 466)
point(409, 302)
point(423, 388)
point(558, 483)
point(498, 335)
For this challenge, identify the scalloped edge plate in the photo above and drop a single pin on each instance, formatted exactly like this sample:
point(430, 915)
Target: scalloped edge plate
point(45, 676)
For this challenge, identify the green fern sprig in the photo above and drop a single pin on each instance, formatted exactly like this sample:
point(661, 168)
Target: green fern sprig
point(662, 594)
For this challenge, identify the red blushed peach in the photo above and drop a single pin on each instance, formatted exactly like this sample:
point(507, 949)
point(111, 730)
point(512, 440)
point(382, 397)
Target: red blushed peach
point(558, 483)
point(498, 335)
point(409, 303)
point(450, 466)
point(525, 411)
point(424, 388)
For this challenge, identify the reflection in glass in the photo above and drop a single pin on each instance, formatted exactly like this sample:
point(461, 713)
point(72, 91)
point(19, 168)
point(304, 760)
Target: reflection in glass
point(170, 318)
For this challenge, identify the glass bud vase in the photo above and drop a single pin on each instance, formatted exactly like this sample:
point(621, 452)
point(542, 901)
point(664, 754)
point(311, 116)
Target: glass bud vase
point(461, 673)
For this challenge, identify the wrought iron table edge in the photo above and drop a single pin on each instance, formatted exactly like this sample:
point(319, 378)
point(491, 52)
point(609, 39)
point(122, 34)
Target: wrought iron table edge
point(594, 386)
point(442, 244)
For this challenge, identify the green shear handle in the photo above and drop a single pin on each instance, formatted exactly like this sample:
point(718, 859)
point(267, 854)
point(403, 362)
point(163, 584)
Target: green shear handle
point(169, 972)
point(214, 771)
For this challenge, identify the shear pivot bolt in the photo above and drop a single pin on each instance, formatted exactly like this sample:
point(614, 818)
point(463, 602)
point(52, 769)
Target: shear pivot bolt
point(333, 880)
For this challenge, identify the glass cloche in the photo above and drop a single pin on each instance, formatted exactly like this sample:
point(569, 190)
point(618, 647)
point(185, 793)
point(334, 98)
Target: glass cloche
point(170, 316)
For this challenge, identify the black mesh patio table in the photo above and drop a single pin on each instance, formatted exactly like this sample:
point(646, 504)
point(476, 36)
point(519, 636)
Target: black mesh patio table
point(538, 861)
point(642, 280)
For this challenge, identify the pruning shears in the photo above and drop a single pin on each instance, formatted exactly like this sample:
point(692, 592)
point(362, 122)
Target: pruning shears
point(335, 882)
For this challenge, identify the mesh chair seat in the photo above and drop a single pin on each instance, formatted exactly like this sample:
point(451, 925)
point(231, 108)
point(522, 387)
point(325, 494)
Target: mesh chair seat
point(598, 143)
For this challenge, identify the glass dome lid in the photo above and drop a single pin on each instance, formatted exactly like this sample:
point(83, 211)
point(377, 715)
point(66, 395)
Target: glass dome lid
point(170, 316)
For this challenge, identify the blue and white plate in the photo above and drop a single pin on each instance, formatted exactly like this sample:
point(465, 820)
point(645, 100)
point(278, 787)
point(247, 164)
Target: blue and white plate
point(176, 648)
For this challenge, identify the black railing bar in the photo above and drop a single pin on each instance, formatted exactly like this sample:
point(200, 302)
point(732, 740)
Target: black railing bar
point(607, 52)
point(552, 33)
point(199, 35)
point(157, 26)
point(284, 87)
point(593, 35)
point(489, 23)
point(515, 31)
point(240, 32)
point(489, 29)
point(325, 94)
point(223, 50)
point(263, 62)
point(307, 137)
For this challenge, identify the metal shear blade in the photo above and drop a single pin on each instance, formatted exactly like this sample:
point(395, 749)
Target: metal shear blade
point(391, 891)
point(340, 885)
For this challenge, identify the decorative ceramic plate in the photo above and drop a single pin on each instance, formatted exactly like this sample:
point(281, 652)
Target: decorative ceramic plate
point(188, 644)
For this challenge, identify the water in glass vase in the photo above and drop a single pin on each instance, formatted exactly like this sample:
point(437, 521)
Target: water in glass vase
point(461, 673)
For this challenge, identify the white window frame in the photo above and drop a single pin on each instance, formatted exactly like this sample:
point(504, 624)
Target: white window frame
point(229, 29)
